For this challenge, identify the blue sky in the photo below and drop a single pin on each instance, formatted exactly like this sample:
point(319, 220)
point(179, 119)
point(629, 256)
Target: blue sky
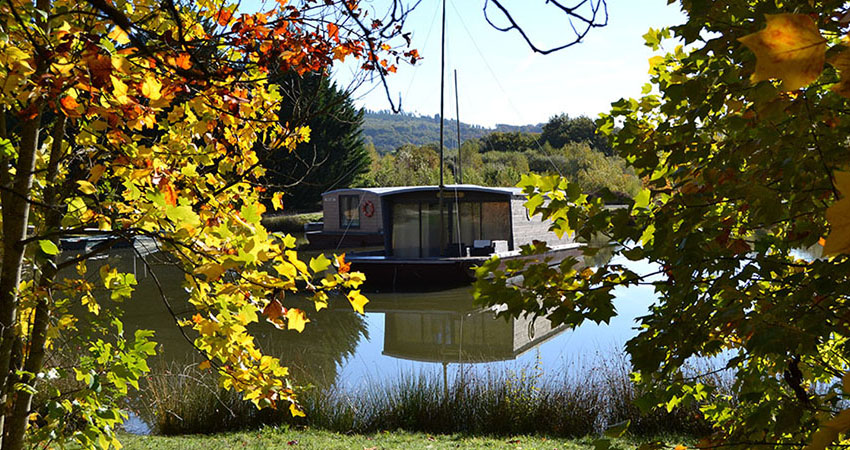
point(502, 81)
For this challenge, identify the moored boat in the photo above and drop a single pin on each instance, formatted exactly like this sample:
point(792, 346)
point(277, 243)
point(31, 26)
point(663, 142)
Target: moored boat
point(426, 247)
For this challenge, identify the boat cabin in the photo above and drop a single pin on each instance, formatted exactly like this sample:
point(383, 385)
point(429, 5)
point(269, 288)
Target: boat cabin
point(475, 220)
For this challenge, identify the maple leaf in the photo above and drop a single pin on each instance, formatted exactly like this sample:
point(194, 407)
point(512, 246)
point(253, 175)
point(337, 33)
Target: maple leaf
point(273, 311)
point(296, 319)
point(151, 88)
point(277, 200)
point(841, 61)
point(344, 267)
point(168, 191)
point(789, 48)
point(69, 106)
point(358, 300)
point(838, 216)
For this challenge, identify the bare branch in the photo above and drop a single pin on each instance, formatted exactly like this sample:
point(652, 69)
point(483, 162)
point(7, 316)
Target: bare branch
point(589, 14)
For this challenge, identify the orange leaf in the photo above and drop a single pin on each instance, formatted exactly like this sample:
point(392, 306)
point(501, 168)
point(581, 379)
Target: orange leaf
point(96, 173)
point(790, 48)
point(344, 267)
point(224, 17)
point(204, 365)
point(333, 32)
point(69, 106)
point(273, 311)
point(168, 190)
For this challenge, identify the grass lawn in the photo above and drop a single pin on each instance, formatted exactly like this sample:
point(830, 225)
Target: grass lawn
point(282, 438)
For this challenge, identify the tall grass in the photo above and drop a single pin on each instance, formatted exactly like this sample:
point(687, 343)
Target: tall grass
point(507, 402)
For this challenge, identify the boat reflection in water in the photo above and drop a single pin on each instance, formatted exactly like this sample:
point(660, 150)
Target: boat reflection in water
point(457, 332)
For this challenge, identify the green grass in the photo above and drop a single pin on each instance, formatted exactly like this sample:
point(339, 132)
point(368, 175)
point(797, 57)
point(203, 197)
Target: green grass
point(286, 438)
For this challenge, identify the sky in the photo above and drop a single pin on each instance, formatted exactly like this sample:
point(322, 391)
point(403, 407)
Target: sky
point(500, 80)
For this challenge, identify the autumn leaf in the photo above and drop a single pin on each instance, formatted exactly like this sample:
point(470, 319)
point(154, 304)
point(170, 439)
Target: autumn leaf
point(358, 301)
point(152, 88)
point(333, 32)
point(343, 267)
point(319, 264)
point(96, 172)
point(118, 35)
point(295, 411)
point(841, 61)
point(838, 216)
point(85, 187)
point(273, 311)
point(204, 365)
point(296, 319)
point(277, 201)
point(790, 48)
point(69, 106)
point(168, 191)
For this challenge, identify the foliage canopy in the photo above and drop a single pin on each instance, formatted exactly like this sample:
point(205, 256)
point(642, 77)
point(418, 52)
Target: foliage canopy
point(125, 119)
point(741, 142)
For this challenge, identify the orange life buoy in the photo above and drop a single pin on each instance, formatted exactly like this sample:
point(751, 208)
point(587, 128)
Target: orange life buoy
point(368, 208)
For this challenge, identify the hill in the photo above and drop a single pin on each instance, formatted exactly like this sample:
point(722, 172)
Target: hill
point(388, 131)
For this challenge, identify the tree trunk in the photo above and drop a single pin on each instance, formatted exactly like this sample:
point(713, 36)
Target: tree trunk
point(16, 210)
point(22, 405)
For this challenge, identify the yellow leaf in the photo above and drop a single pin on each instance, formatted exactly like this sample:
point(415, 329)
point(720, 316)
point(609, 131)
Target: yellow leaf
point(204, 365)
point(295, 411)
point(118, 35)
point(358, 301)
point(296, 319)
point(119, 90)
point(86, 188)
point(321, 300)
point(838, 216)
point(841, 61)
point(790, 48)
point(277, 200)
point(151, 88)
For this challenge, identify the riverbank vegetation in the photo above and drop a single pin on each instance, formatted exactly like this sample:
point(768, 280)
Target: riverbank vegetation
point(579, 402)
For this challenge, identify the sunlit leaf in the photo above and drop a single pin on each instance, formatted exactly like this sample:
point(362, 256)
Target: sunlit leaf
point(838, 216)
point(790, 48)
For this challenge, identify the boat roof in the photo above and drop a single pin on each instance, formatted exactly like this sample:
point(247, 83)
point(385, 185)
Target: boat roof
point(385, 191)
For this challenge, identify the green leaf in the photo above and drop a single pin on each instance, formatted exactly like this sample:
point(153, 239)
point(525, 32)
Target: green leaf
point(642, 199)
point(182, 215)
point(48, 247)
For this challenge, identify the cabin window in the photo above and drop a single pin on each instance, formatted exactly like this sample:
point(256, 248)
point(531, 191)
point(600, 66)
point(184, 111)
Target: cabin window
point(349, 211)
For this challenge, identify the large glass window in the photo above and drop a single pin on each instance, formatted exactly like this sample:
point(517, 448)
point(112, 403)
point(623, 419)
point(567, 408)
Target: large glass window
point(406, 230)
point(417, 227)
point(349, 211)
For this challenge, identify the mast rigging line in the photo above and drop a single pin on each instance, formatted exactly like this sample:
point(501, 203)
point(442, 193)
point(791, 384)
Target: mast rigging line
point(501, 88)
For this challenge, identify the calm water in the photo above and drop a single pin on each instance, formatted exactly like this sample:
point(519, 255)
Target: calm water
point(401, 333)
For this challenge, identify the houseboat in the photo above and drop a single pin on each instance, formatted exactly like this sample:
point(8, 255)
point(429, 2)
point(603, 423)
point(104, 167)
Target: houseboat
point(423, 246)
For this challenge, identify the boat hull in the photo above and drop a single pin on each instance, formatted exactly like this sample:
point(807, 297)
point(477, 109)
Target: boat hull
point(320, 240)
point(418, 274)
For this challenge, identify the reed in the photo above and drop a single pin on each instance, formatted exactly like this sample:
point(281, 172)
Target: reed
point(579, 402)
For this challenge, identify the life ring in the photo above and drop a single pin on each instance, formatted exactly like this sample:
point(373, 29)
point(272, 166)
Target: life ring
point(368, 208)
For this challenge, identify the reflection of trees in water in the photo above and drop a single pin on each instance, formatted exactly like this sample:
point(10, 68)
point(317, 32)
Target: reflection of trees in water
point(314, 355)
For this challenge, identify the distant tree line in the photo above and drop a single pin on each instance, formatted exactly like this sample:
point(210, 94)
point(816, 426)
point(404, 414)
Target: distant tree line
point(388, 131)
point(566, 146)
